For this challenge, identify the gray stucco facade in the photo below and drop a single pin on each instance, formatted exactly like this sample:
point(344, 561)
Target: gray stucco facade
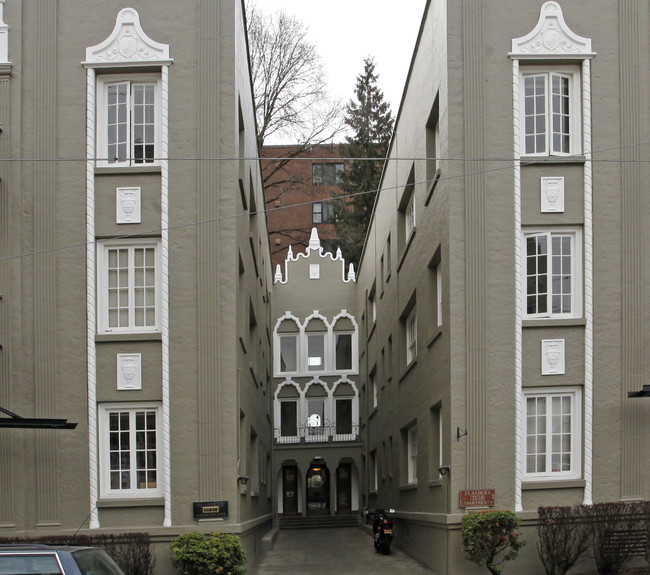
point(502, 288)
point(135, 274)
point(507, 272)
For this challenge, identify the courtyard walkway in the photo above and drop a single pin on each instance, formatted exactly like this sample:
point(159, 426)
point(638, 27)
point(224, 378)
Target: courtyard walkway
point(335, 551)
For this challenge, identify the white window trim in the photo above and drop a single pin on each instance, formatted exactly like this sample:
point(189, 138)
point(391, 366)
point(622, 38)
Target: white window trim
point(576, 432)
point(288, 438)
point(575, 108)
point(103, 81)
point(409, 217)
point(352, 351)
point(576, 272)
point(278, 354)
point(412, 455)
point(102, 285)
point(330, 333)
point(104, 453)
point(411, 327)
point(438, 296)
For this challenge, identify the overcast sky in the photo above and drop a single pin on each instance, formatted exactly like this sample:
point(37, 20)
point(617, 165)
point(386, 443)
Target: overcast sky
point(347, 31)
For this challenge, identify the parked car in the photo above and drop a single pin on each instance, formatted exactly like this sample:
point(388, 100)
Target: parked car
point(37, 559)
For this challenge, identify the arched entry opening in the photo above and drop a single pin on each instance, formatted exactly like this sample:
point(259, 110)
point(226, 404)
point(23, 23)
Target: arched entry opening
point(318, 488)
point(290, 490)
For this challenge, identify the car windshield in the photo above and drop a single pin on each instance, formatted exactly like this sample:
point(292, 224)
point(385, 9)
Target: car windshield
point(95, 562)
point(32, 564)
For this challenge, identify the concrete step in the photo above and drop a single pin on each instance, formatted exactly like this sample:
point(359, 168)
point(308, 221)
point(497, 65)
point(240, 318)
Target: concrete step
point(319, 521)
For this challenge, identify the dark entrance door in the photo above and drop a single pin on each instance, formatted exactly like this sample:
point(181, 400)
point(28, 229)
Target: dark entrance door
point(344, 488)
point(318, 490)
point(290, 490)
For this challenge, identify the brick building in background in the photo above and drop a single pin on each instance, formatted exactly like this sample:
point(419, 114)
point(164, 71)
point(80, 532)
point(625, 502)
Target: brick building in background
point(297, 196)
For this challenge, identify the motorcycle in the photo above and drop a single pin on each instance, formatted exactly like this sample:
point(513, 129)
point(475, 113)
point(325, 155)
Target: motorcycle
point(383, 531)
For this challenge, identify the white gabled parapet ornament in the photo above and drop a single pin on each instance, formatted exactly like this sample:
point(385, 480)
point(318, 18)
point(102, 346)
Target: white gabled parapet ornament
point(314, 246)
point(551, 38)
point(127, 43)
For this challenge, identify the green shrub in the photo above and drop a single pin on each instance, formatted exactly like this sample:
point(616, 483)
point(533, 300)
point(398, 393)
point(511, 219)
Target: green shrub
point(490, 538)
point(215, 553)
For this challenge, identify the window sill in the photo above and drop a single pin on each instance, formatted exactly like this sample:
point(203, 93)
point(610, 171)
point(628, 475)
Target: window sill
point(409, 367)
point(532, 160)
point(435, 482)
point(432, 187)
point(135, 502)
point(552, 322)
point(406, 249)
point(127, 170)
point(553, 484)
point(100, 337)
point(408, 486)
point(371, 331)
point(434, 337)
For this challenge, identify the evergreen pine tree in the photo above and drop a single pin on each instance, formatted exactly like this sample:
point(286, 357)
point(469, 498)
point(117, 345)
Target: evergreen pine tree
point(370, 120)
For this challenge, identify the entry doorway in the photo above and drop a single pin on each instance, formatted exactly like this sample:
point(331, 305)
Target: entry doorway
point(318, 490)
point(290, 490)
point(344, 488)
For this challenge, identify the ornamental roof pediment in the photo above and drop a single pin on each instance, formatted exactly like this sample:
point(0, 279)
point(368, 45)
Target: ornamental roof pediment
point(128, 44)
point(551, 37)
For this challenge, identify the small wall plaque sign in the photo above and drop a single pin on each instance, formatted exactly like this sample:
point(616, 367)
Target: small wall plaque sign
point(477, 498)
point(210, 509)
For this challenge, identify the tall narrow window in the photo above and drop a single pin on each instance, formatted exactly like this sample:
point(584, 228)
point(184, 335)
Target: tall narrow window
point(129, 451)
point(129, 117)
point(343, 351)
point(411, 337)
point(553, 274)
point(128, 277)
point(288, 353)
point(551, 116)
point(289, 418)
point(316, 352)
point(552, 446)
point(412, 447)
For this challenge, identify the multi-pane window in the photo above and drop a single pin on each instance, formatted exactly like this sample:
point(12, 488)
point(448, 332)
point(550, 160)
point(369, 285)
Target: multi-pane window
point(412, 452)
point(550, 113)
point(129, 451)
point(552, 445)
point(327, 174)
point(411, 337)
point(322, 212)
point(316, 419)
point(129, 287)
point(128, 122)
point(553, 274)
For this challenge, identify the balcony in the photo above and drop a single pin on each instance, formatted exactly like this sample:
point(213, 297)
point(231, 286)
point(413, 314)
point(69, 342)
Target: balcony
point(325, 433)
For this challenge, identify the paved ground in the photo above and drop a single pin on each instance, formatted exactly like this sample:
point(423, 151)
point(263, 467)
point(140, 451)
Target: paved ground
point(344, 551)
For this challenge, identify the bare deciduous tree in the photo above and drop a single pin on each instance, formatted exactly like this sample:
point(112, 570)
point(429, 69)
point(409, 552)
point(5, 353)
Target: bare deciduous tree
point(289, 85)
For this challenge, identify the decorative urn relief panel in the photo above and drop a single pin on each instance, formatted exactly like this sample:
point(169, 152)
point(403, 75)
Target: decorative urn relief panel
point(552, 194)
point(552, 356)
point(129, 371)
point(127, 206)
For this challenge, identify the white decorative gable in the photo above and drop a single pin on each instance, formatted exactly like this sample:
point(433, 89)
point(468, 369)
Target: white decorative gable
point(128, 44)
point(551, 38)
